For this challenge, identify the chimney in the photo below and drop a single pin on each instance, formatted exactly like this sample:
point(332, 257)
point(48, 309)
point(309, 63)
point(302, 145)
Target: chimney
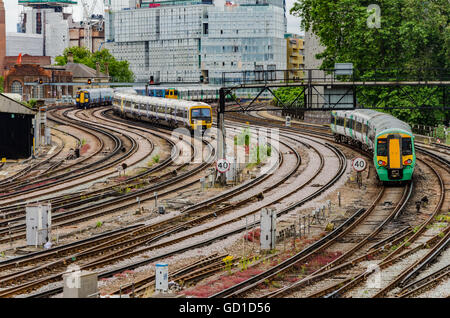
point(106, 69)
point(2, 38)
point(97, 69)
point(69, 57)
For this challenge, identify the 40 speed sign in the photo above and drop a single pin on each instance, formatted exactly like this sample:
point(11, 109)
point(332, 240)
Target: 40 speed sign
point(359, 164)
point(223, 165)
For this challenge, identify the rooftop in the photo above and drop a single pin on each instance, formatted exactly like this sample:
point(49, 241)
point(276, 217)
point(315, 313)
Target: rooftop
point(11, 106)
point(53, 3)
point(83, 71)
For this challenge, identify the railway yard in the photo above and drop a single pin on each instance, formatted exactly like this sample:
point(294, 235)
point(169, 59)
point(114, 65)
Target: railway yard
point(127, 195)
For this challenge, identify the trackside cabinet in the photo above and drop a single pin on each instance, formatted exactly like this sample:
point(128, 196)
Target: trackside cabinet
point(38, 223)
point(268, 229)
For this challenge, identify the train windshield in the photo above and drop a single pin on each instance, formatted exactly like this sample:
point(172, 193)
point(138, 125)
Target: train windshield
point(382, 147)
point(201, 114)
point(406, 146)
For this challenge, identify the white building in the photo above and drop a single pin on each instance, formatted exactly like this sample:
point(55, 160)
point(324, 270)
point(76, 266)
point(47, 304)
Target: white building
point(182, 41)
point(31, 44)
point(52, 25)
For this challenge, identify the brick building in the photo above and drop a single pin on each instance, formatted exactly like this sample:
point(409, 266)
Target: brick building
point(19, 74)
point(2, 37)
point(11, 61)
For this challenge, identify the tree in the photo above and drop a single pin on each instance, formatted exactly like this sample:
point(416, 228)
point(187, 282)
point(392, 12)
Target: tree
point(289, 95)
point(118, 70)
point(2, 82)
point(414, 35)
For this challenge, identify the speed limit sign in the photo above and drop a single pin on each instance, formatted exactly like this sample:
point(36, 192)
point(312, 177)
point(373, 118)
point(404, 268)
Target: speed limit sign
point(359, 164)
point(223, 165)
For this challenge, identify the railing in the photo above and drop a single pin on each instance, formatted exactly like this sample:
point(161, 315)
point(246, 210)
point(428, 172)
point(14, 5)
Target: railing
point(330, 76)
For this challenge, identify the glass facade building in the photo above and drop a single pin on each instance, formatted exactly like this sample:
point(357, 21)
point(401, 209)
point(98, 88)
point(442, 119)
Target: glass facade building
point(176, 42)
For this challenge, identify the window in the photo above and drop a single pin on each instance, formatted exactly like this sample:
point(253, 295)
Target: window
point(358, 126)
point(16, 88)
point(406, 146)
point(201, 114)
point(371, 134)
point(364, 129)
point(382, 147)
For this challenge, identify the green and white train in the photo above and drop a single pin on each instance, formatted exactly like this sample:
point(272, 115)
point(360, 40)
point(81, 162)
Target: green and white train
point(388, 139)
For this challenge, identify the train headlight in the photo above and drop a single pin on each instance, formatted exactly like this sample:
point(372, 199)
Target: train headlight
point(381, 163)
point(408, 162)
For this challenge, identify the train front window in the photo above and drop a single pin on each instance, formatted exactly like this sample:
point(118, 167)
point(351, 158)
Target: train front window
point(382, 147)
point(201, 114)
point(406, 146)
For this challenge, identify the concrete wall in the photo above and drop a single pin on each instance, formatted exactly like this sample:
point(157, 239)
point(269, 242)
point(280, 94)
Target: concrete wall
point(312, 47)
point(31, 44)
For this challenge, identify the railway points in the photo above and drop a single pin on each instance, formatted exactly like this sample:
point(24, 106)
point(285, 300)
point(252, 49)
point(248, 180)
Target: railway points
point(161, 209)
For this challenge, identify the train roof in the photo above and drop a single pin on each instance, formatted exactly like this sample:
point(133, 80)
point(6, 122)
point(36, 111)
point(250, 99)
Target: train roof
point(96, 89)
point(159, 101)
point(381, 121)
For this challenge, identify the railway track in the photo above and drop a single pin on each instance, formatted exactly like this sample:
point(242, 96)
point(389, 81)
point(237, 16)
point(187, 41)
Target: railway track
point(153, 245)
point(245, 286)
point(108, 258)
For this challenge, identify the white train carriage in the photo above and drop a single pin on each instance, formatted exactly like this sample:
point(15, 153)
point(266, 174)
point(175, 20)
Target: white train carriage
point(163, 111)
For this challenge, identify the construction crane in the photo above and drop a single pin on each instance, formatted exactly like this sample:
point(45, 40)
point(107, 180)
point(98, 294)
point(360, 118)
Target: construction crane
point(90, 21)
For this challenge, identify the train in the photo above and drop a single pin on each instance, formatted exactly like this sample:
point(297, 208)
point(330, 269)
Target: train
point(93, 97)
point(194, 93)
point(389, 140)
point(172, 113)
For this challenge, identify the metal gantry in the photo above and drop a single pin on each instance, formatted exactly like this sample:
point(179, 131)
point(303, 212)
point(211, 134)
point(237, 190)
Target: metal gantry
point(321, 90)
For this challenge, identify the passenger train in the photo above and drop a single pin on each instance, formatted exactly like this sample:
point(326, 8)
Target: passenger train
point(169, 112)
point(389, 139)
point(196, 93)
point(92, 97)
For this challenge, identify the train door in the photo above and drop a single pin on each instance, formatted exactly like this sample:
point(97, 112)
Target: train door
point(394, 152)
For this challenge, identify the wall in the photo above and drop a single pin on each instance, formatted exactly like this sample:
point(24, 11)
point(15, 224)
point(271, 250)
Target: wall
point(31, 44)
point(17, 140)
point(2, 37)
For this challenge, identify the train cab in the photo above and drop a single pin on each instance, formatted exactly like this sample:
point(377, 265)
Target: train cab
point(395, 156)
point(171, 93)
point(200, 117)
point(82, 99)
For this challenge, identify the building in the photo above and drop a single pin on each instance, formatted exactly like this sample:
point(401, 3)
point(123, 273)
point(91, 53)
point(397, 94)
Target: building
point(24, 43)
point(17, 76)
point(195, 40)
point(78, 38)
point(2, 37)
point(312, 48)
point(12, 45)
point(47, 18)
point(10, 61)
point(294, 56)
point(82, 73)
point(16, 129)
